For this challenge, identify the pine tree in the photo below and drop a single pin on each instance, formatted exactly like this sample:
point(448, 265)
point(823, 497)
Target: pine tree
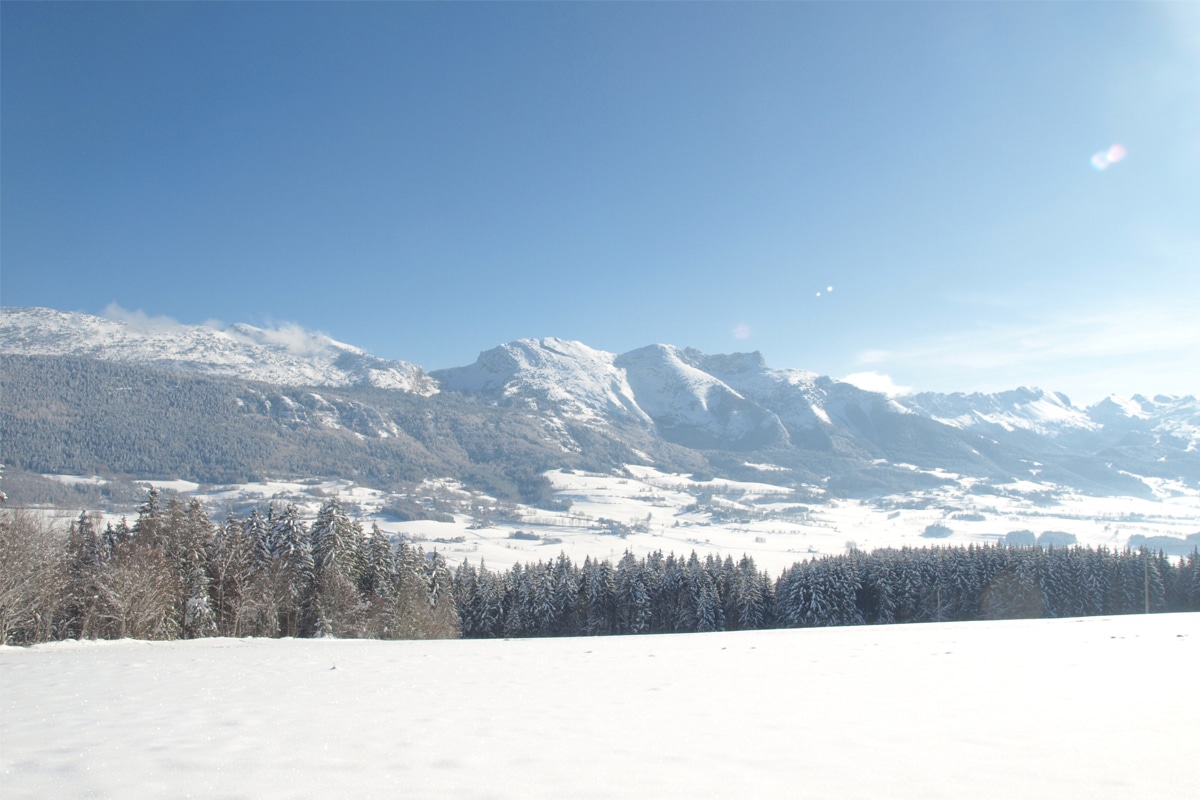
point(194, 540)
point(290, 569)
point(488, 608)
point(600, 593)
point(466, 596)
point(565, 582)
point(149, 519)
point(260, 536)
point(1192, 582)
point(443, 613)
point(85, 556)
point(516, 602)
point(749, 606)
point(377, 584)
point(336, 605)
point(634, 610)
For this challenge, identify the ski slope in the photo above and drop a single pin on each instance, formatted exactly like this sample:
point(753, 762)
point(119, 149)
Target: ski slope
point(1073, 708)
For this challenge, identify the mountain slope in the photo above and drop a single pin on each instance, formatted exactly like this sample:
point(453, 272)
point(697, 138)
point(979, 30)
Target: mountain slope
point(84, 393)
point(1043, 413)
point(286, 356)
point(554, 375)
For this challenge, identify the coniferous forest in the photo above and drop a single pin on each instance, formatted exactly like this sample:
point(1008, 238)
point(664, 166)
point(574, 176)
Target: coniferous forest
point(175, 574)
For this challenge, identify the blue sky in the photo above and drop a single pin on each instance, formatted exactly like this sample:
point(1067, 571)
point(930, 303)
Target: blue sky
point(427, 181)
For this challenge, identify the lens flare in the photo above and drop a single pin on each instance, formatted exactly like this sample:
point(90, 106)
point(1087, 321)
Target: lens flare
point(1106, 158)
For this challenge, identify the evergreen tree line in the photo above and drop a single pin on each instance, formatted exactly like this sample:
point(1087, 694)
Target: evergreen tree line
point(667, 594)
point(175, 574)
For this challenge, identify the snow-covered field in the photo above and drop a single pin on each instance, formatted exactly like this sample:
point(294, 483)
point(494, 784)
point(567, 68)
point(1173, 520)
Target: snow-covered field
point(644, 509)
point(1074, 708)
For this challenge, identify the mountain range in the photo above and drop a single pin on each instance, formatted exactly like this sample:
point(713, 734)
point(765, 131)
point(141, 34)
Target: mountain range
point(234, 401)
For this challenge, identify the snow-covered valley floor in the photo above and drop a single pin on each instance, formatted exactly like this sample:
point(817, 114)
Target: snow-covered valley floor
point(655, 510)
point(1088, 708)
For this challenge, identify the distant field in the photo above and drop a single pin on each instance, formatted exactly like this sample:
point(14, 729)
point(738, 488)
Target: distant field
point(644, 509)
point(1095, 708)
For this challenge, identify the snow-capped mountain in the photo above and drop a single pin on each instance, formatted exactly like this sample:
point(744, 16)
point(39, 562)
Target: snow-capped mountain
point(1025, 408)
point(567, 377)
point(690, 398)
point(693, 407)
point(537, 404)
point(1172, 421)
point(287, 356)
point(1168, 419)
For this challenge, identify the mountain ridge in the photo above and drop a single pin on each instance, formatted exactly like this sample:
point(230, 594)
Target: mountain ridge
point(562, 396)
point(289, 355)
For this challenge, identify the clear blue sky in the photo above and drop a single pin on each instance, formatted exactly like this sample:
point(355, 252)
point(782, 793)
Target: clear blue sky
point(427, 181)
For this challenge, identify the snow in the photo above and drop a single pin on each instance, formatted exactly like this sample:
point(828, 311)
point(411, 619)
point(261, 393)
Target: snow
point(581, 382)
point(287, 356)
point(1025, 408)
point(1128, 406)
point(643, 509)
point(1096, 708)
point(175, 486)
point(668, 388)
point(74, 480)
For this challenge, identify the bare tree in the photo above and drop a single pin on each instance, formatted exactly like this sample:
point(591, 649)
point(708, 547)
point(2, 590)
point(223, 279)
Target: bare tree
point(33, 579)
point(138, 592)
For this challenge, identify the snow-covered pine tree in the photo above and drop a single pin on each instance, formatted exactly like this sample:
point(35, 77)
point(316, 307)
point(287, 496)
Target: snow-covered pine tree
point(489, 605)
point(377, 584)
point(632, 595)
point(193, 542)
point(565, 580)
point(337, 606)
point(747, 601)
point(443, 612)
point(516, 602)
point(291, 569)
point(261, 539)
point(600, 593)
point(149, 518)
point(1192, 582)
point(540, 616)
point(466, 596)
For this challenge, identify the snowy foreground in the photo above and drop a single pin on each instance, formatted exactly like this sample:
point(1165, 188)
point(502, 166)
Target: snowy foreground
point(1095, 708)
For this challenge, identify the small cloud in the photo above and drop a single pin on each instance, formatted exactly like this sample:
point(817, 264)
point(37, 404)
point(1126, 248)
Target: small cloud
point(876, 382)
point(741, 331)
point(287, 336)
point(1106, 158)
point(138, 319)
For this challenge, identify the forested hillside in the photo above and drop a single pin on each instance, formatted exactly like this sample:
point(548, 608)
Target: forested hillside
point(75, 416)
